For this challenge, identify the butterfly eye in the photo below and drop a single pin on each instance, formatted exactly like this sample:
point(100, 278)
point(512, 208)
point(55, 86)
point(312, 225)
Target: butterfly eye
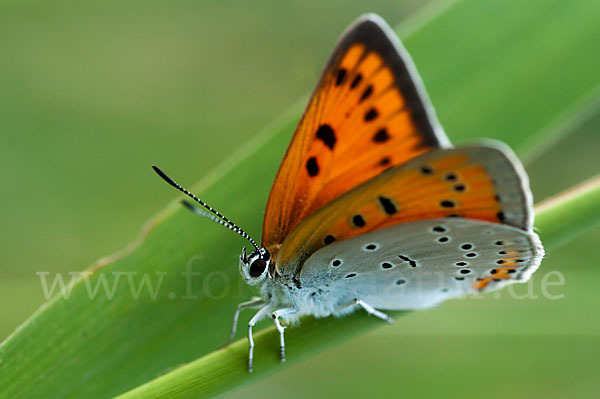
point(257, 267)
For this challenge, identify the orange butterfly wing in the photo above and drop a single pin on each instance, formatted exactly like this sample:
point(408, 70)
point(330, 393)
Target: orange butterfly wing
point(484, 182)
point(368, 113)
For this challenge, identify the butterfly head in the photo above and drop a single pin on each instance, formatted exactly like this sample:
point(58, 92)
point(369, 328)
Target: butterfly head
point(255, 267)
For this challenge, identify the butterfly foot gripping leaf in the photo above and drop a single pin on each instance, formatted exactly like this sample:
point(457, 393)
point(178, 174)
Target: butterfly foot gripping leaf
point(382, 213)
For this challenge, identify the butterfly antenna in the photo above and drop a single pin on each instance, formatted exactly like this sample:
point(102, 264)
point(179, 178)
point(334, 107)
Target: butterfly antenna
point(212, 217)
point(215, 217)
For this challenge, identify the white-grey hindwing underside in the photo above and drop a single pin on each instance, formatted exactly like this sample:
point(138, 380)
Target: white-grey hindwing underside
point(419, 264)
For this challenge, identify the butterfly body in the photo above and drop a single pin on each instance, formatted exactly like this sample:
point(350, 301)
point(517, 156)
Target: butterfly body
point(373, 208)
point(417, 263)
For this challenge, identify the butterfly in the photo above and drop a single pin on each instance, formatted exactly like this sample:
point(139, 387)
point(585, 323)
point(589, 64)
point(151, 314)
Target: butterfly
point(372, 208)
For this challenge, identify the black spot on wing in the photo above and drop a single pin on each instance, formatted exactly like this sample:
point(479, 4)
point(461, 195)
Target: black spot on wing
point(450, 177)
point(312, 167)
point(356, 81)
point(371, 115)
point(366, 94)
point(381, 136)
point(427, 170)
point(340, 77)
point(326, 134)
point(358, 220)
point(385, 161)
point(387, 204)
point(447, 204)
point(410, 261)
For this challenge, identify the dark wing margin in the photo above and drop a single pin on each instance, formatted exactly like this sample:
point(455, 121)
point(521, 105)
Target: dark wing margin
point(376, 34)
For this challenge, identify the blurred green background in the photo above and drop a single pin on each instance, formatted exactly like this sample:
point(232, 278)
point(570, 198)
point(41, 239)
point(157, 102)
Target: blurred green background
point(92, 93)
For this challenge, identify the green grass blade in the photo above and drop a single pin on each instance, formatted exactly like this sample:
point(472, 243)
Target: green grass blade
point(227, 369)
point(506, 82)
point(567, 215)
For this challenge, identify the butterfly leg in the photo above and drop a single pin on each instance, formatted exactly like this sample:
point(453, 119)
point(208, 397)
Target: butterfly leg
point(371, 310)
point(276, 315)
point(255, 302)
point(261, 312)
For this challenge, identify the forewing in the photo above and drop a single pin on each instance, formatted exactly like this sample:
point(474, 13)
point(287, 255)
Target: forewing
point(368, 112)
